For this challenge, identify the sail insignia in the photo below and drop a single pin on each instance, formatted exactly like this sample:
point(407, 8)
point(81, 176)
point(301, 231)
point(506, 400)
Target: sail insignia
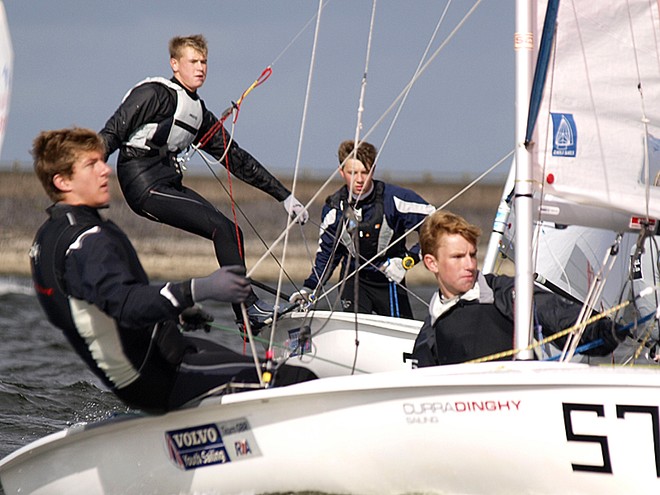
point(564, 135)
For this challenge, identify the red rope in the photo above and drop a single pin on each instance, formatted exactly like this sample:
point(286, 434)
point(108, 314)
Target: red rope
point(234, 106)
point(219, 124)
point(231, 195)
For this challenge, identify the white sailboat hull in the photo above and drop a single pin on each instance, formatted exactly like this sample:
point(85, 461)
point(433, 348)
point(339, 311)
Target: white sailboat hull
point(346, 343)
point(492, 428)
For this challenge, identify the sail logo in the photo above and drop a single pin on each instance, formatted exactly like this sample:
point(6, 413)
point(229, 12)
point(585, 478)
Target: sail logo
point(208, 444)
point(564, 135)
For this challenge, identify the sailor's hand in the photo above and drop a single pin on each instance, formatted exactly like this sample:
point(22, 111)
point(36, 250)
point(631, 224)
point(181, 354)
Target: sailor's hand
point(195, 318)
point(227, 284)
point(296, 210)
point(395, 268)
point(301, 297)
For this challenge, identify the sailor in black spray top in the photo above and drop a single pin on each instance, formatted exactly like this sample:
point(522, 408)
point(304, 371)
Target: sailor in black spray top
point(90, 283)
point(157, 120)
point(471, 314)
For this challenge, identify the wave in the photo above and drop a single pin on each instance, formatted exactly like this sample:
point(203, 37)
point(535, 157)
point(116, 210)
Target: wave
point(16, 285)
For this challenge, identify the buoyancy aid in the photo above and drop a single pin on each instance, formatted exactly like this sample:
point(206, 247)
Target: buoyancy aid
point(181, 128)
point(47, 265)
point(83, 323)
point(374, 232)
point(459, 336)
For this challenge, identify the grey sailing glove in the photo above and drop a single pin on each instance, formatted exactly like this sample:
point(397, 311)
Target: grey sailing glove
point(227, 284)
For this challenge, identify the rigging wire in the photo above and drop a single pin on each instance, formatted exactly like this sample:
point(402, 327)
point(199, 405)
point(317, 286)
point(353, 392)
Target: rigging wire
point(355, 234)
point(297, 165)
point(400, 100)
point(441, 207)
point(378, 122)
point(419, 65)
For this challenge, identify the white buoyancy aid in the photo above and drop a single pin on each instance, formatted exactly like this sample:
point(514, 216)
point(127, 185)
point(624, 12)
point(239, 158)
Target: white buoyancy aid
point(186, 121)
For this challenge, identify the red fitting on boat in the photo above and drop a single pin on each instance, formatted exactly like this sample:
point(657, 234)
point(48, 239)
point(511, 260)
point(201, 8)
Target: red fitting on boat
point(550, 179)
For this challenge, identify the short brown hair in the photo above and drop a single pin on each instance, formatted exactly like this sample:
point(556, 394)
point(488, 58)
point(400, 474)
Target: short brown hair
point(195, 41)
point(442, 222)
point(366, 153)
point(55, 152)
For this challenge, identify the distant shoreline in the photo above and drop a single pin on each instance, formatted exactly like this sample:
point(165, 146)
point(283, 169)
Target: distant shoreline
point(168, 253)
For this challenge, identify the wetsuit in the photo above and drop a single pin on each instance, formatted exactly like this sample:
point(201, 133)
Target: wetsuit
point(157, 120)
point(384, 215)
point(91, 285)
point(480, 323)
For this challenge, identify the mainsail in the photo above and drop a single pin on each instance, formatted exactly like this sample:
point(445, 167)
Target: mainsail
point(596, 139)
point(6, 71)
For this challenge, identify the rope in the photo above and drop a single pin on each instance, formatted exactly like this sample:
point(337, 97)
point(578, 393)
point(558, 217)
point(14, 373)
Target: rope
point(234, 109)
point(297, 165)
point(418, 74)
point(576, 327)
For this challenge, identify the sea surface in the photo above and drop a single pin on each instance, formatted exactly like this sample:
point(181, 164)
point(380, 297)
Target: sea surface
point(44, 385)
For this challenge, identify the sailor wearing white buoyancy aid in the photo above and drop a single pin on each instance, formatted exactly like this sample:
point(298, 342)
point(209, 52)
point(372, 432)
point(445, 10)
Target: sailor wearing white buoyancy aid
point(183, 127)
point(158, 119)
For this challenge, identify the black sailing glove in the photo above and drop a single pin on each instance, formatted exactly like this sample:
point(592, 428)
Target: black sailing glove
point(195, 318)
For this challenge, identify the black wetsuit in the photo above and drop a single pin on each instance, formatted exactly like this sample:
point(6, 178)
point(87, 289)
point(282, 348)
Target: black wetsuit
point(142, 129)
point(469, 328)
point(92, 286)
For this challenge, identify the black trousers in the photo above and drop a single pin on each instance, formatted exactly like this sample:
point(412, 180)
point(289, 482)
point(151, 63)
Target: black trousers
point(183, 208)
point(380, 297)
point(206, 365)
point(212, 365)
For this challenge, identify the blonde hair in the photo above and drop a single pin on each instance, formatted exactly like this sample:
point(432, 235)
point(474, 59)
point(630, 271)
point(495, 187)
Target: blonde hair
point(195, 41)
point(440, 223)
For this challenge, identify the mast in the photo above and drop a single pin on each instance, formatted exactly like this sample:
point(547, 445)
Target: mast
point(523, 46)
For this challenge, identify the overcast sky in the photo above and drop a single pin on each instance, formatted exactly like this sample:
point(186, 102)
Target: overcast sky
point(75, 59)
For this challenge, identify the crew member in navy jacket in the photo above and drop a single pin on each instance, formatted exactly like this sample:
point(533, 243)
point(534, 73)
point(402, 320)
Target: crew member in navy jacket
point(91, 285)
point(364, 224)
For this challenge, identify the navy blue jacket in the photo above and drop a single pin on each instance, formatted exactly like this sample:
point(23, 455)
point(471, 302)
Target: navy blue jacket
point(388, 213)
point(91, 285)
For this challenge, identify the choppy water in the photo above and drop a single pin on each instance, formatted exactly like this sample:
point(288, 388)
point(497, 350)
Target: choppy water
point(44, 386)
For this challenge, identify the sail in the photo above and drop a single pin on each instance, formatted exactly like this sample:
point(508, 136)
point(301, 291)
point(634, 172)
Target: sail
point(6, 71)
point(596, 145)
point(592, 130)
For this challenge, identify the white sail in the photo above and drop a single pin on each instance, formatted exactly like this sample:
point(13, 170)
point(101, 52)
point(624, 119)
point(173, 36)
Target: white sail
point(594, 147)
point(599, 114)
point(6, 71)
